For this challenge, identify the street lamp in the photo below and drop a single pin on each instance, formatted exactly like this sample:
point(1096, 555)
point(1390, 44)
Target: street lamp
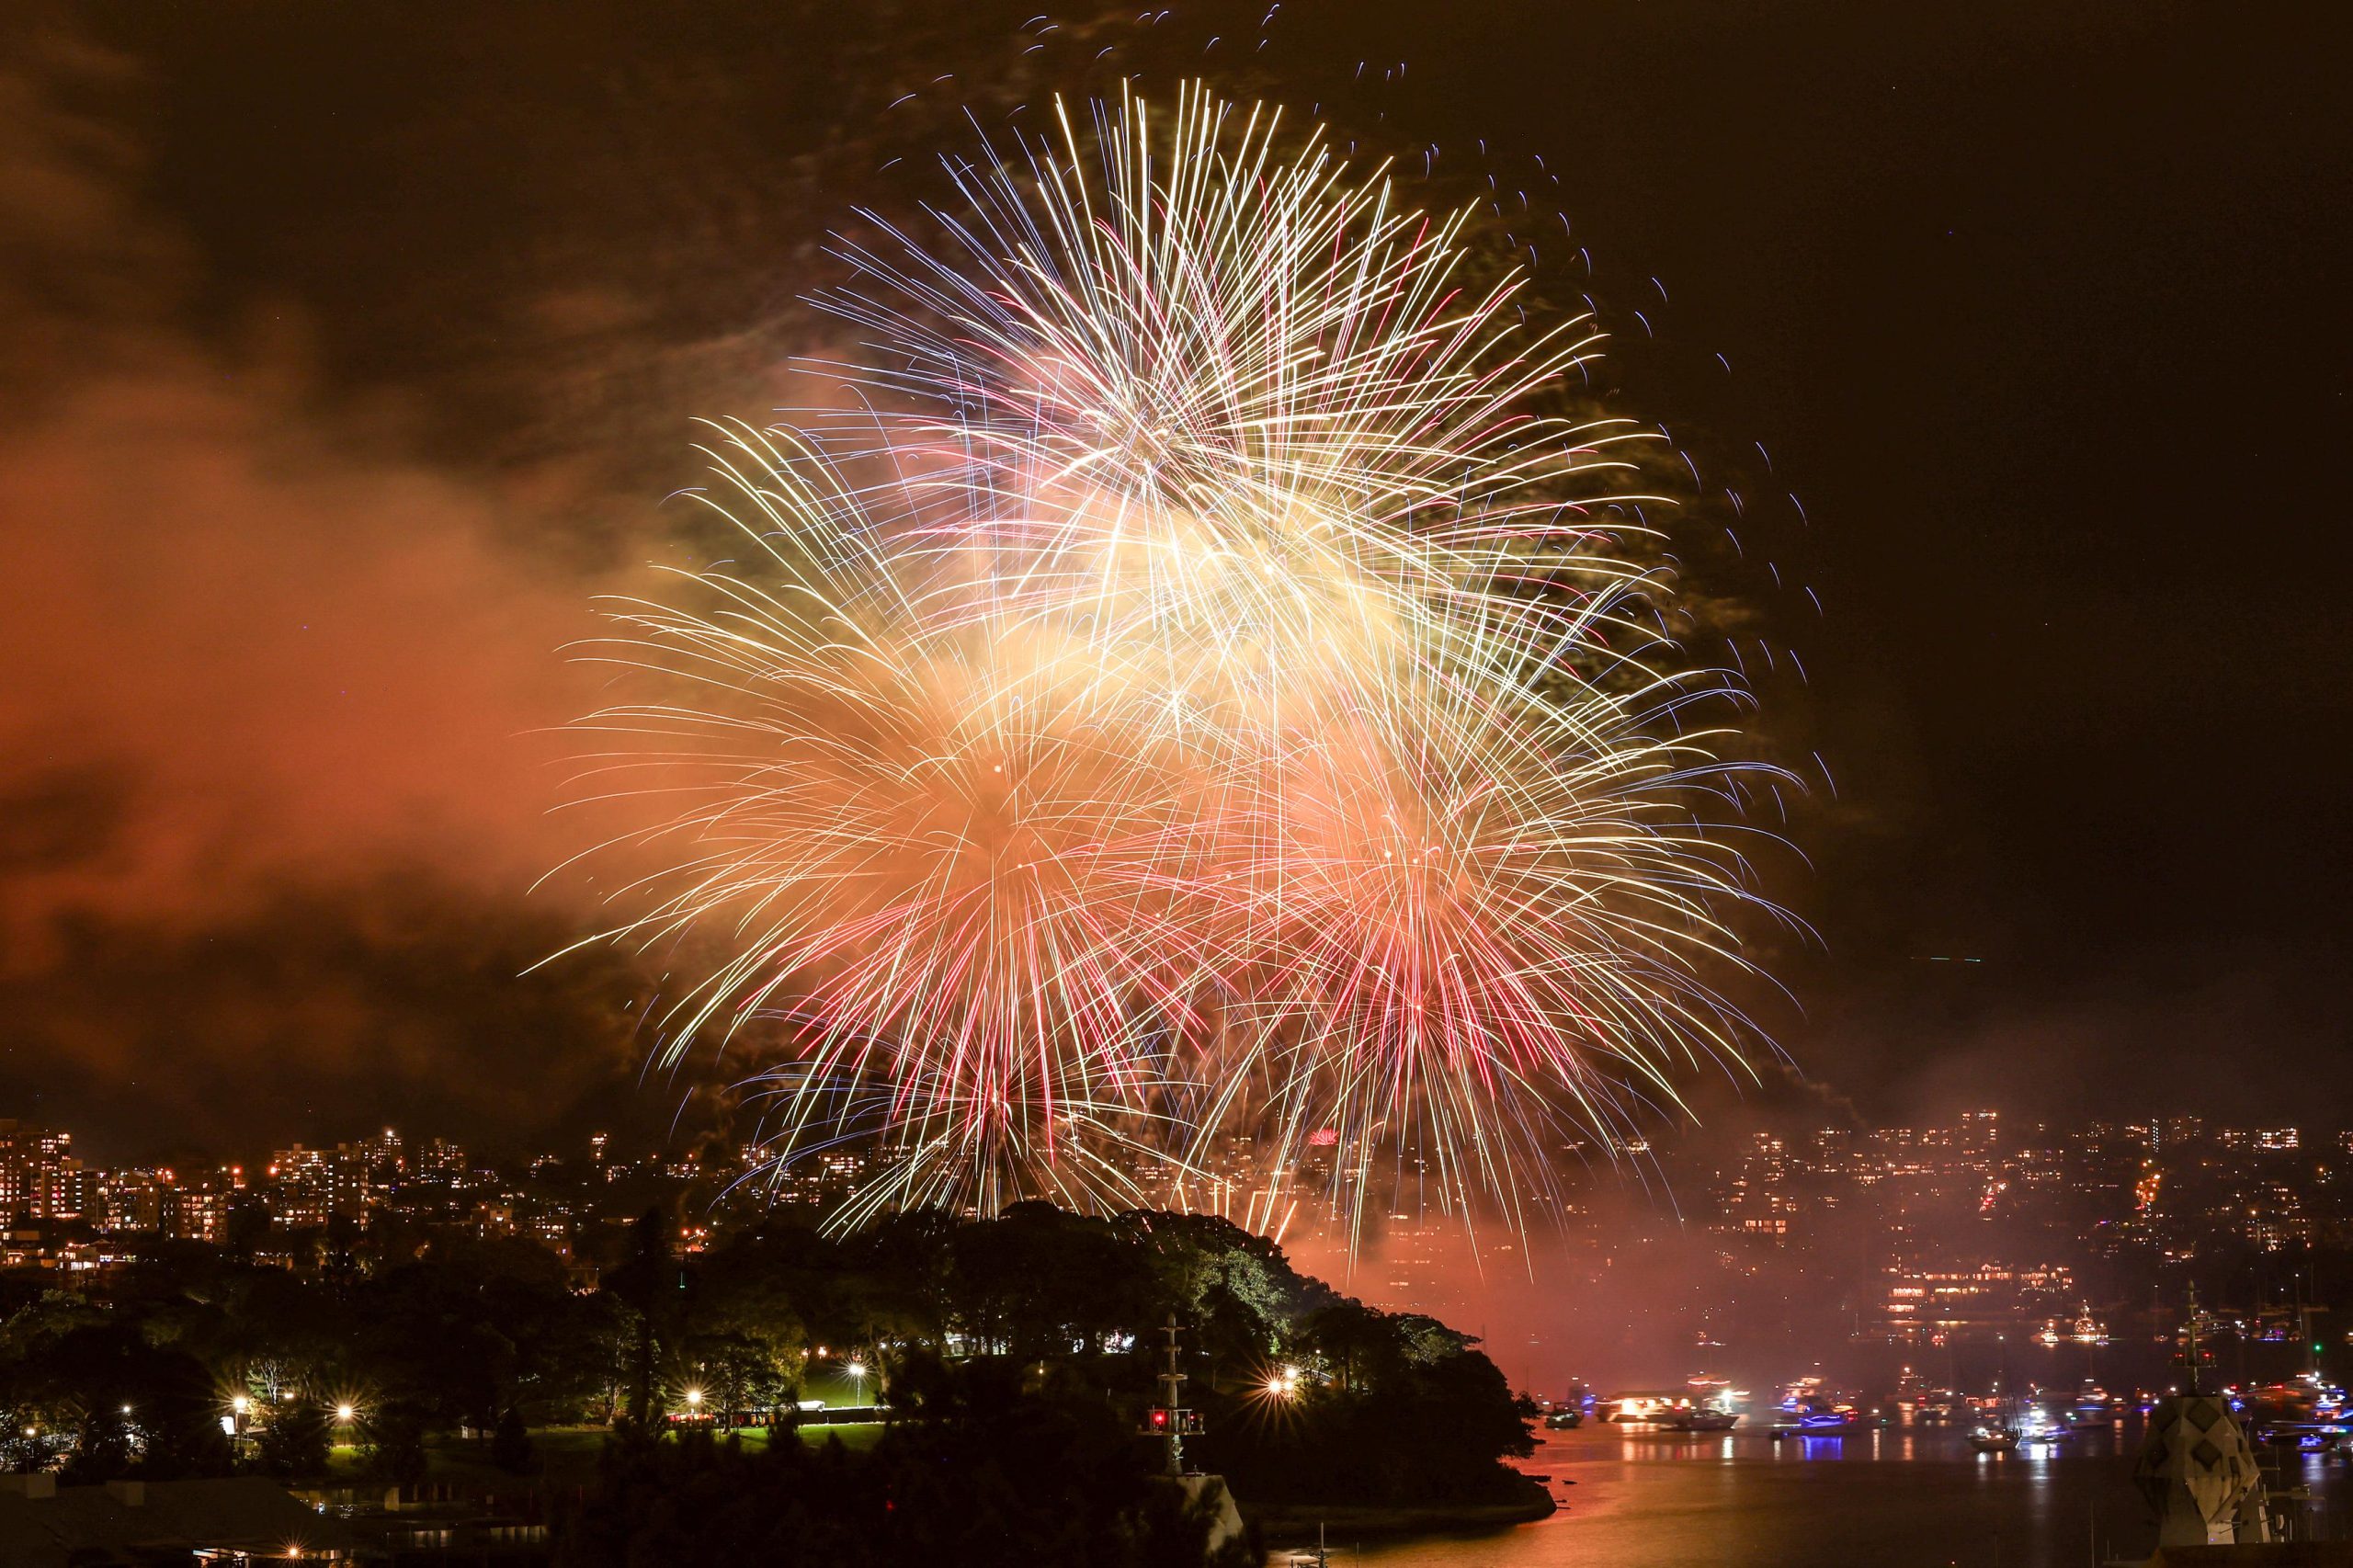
point(694, 1399)
point(856, 1371)
point(345, 1412)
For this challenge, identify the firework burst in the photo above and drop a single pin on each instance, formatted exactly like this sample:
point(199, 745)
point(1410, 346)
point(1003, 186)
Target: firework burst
point(1203, 688)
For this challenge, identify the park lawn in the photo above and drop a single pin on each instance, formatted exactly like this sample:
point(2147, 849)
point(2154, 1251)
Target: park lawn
point(566, 1455)
point(857, 1436)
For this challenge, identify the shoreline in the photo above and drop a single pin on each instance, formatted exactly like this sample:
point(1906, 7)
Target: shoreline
point(1387, 1519)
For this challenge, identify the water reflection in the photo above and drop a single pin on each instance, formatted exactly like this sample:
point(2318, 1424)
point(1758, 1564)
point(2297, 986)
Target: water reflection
point(1886, 1497)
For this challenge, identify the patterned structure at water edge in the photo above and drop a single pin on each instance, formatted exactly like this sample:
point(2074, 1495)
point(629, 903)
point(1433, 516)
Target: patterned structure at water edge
point(2197, 1473)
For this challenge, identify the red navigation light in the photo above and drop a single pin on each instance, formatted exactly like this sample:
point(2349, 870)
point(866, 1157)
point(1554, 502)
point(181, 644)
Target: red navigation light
point(1160, 1420)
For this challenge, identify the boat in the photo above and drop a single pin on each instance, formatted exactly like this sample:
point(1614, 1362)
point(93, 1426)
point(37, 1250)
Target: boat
point(1928, 1405)
point(1661, 1409)
point(1995, 1440)
point(2095, 1409)
point(1713, 1420)
point(1564, 1418)
point(1806, 1409)
point(1820, 1418)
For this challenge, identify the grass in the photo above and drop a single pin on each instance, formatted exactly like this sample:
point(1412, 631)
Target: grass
point(856, 1435)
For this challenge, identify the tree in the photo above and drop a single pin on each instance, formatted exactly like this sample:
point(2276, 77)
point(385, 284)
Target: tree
point(649, 1283)
point(394, 1436)
point(990, 1476)
point(510, 1445)
point(246, 1225)
point(296, 1441)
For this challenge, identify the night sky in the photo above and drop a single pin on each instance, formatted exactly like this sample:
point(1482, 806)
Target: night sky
point(349, 349)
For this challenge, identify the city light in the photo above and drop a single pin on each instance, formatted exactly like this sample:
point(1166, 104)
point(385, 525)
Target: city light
point(344, 1413)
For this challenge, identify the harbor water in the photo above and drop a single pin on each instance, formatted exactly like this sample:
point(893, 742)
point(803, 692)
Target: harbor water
point(1896, 1497)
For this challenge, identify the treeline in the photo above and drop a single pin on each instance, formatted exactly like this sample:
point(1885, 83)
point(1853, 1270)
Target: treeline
point(1040, 1327)
point(989, 1470)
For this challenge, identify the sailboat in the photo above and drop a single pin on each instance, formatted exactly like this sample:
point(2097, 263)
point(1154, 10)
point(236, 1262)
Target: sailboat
point(2001, 1439)
point(1999, 1435)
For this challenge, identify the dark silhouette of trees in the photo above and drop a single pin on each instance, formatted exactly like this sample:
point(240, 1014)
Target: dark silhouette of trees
point(294, 1442)
point(645, 1283)
point(246, 1225)
point(392, 1440)
point(510, 1445)
point(1011, 1345)
point(1406, 1412)
point(988, 1474)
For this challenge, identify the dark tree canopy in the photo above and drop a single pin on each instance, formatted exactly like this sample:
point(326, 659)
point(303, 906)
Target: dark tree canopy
point(1017, 1357)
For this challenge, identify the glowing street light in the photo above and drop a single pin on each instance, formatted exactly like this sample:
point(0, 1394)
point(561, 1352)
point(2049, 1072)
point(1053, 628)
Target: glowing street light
point(1284, 1382)
point(694, 1399)
point(345, 1412)
point(856, 1371)
point(241, 1404)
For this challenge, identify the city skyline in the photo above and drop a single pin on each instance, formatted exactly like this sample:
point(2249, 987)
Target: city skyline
point(1931, 1239)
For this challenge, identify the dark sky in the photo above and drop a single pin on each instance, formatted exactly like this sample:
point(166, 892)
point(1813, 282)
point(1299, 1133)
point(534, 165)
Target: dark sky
point(350, 348)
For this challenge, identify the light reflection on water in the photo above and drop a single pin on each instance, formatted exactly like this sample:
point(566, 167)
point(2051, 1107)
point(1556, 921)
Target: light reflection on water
point(1884, 1498)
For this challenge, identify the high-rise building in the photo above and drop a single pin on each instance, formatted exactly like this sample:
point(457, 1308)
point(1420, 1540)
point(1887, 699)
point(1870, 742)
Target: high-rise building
point(200, 1210)
point(40, 1177)
point(386, 1158)
point(133, 1197)
point(2174, 1131)
point(1979, 1131)
point(439, 1157)
point(315, 1185)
